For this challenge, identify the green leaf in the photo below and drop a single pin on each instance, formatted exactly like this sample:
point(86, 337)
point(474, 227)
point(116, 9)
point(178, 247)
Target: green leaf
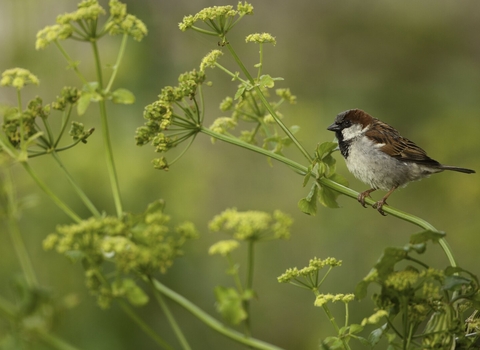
point(338, 179)
point(123, 96)
point(325, 148)
point(328, 197)
point(240, 92)
point(135, 295)
point(83, 102)
point(266, 81)
point(75, 255)
point(455, 282)
point(377, 334)
point(355, 328)
point(426, 236)
point(308, 205)
point(229, 305)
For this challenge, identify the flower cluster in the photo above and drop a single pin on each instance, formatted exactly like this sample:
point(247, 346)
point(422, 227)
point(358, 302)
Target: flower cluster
point(68, 96)
point(161, 117)
point(18, 78)
point(51, 34)
point(87, 10)
point(123, 23)
point(219, 18)
point(309, 272)
point(224, 248)
point(322, 299)
point(134, 243)
point(210, 60)
point(261, 38)
point(20, 125)
point(252, 225)
point(75, 24)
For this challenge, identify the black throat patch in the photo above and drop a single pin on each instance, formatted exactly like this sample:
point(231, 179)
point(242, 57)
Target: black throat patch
point(344, 145)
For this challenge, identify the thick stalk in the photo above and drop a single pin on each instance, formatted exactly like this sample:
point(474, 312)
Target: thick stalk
point(173, 323)
point(143, 326)
point(337, 187)
point(210, 321)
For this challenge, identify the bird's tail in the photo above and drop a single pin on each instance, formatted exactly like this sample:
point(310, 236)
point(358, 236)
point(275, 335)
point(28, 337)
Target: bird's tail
point(455, 168)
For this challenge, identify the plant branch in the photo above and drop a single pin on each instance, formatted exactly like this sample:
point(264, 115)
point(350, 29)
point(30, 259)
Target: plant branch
point(210, 321)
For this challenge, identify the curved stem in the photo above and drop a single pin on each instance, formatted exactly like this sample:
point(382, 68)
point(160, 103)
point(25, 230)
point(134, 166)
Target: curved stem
point(249, 284)
point(76, 187)
point(173, 323)
point(65, 208)
point(210, 321)
point(71, 63)
point(267, 104)
point(145, 327)
point(337, 187)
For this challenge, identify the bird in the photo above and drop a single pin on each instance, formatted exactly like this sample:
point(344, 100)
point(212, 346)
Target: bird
point(376, 154)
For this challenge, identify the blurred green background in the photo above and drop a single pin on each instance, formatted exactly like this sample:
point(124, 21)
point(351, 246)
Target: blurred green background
point(415, 65)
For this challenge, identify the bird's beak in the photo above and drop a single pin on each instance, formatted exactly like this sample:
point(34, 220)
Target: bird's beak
point(334, 127)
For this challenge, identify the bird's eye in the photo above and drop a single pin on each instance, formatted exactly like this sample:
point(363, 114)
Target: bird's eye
point(346, 123)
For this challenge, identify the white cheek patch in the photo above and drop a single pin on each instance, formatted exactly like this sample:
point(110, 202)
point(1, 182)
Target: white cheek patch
point(353, 131)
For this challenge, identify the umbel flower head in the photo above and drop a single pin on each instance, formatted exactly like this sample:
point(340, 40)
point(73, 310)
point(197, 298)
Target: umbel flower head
point(74, 24)
point(161, 118)
point(220, 19)
point(18, 78)
point(143, 243)
point(252, 225)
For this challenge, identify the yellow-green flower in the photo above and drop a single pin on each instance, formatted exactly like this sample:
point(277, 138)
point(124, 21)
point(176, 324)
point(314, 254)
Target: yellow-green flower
point(223, 247)
point(18, 78)
point(262, 38)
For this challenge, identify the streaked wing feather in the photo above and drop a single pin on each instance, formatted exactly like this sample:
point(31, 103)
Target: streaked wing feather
point(398, 146)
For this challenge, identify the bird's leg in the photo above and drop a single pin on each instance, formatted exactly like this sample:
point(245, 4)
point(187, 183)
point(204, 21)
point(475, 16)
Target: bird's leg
point(382, 202)
point(361, 197)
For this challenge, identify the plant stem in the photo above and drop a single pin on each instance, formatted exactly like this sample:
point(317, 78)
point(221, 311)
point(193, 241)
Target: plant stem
point(173, 323)
point(14, 231)
point(267, 104)
point(121, 51)
point(77, 188)
point(106, 136)
point(210, 321)
point(332, 321)
point(337, 187)
point(53, 341)
point(249, 285)
point(71, 63)
point(65, 208)
point(145, 327)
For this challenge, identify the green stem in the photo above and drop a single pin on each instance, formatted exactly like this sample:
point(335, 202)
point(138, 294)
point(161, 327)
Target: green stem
point(332, 321)
point(173, 323)
point(267, 104)
point(144, 327)
point(71, 63)
point(337, 187)
point(76, 187)
point(106, 136)
point(53, 341)
point(210, 321)
point(249, 284)
point(65, 118)
point(22, 254)
point(123, 45)
point(65, 208)
point(14, 232)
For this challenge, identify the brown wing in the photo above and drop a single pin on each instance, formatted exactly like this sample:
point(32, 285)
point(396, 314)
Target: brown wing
point(397, 146)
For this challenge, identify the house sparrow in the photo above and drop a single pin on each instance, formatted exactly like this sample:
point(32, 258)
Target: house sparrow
point(377, 155)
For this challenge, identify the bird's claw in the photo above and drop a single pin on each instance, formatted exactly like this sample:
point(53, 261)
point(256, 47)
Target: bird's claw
point(379, 205)
point(361, 198)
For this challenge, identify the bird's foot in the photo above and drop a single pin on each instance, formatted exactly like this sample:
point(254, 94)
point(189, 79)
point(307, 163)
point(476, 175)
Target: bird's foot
point(361, 196)
point(379, 205)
